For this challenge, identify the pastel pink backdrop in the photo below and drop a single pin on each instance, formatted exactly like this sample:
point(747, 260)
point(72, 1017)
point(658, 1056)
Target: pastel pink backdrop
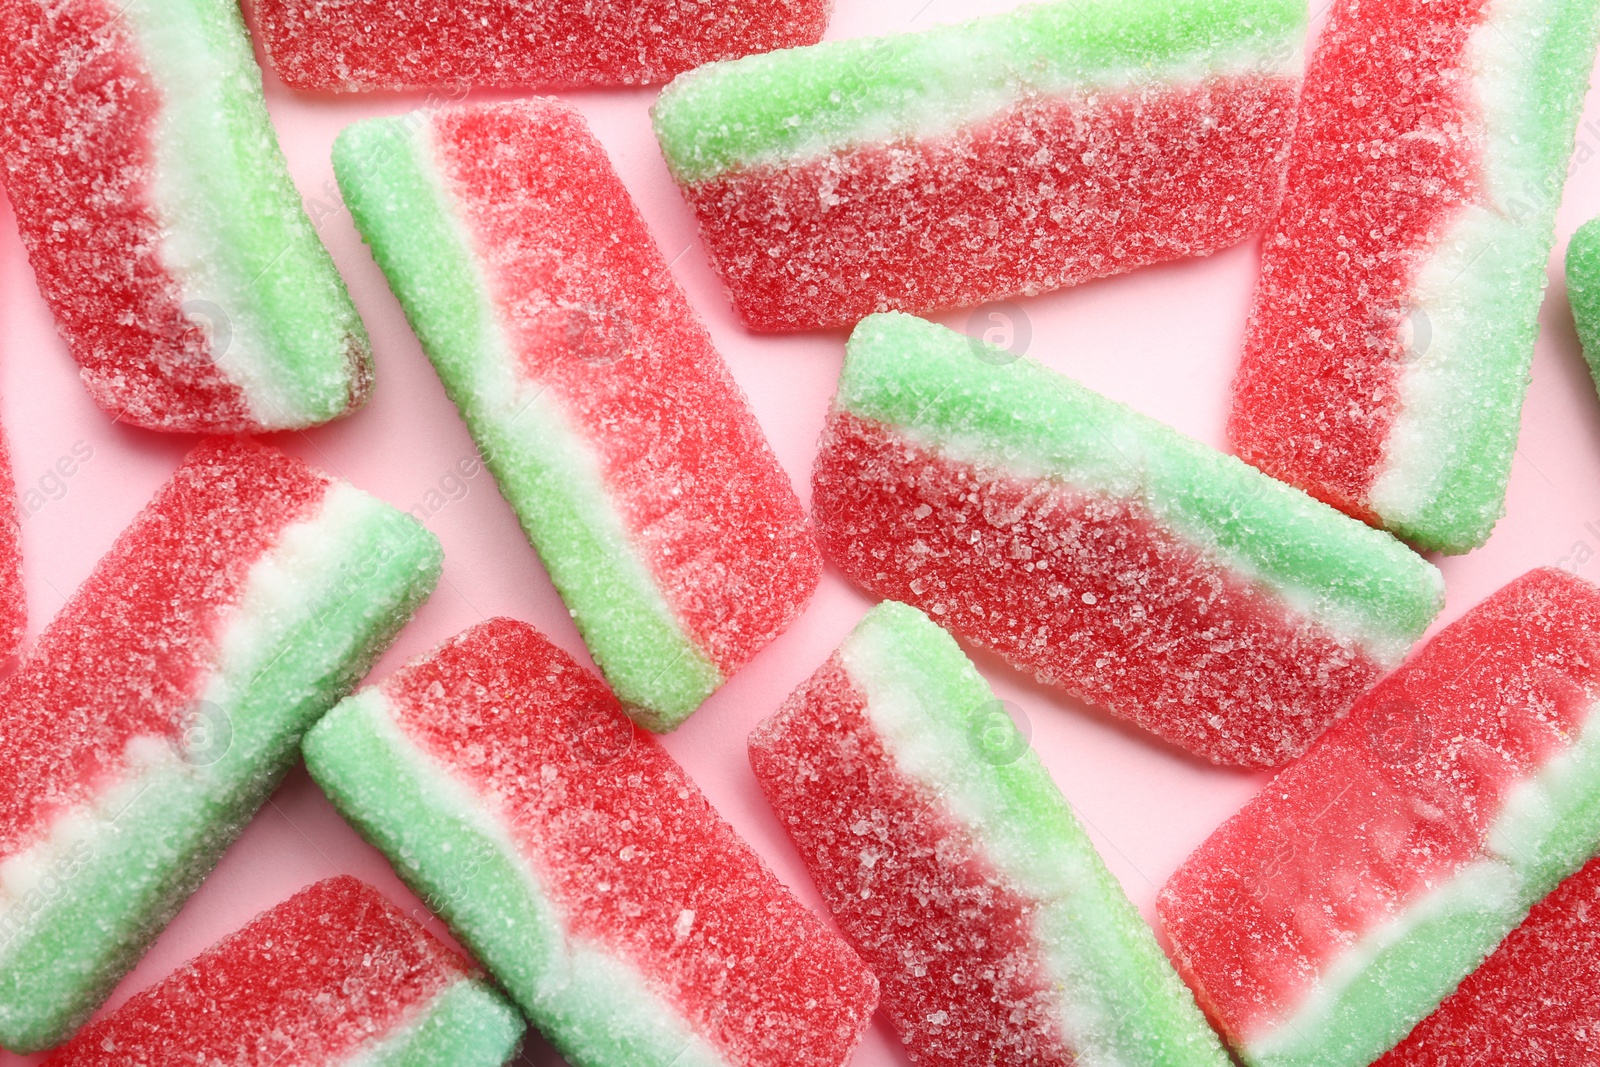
point(1165, 340)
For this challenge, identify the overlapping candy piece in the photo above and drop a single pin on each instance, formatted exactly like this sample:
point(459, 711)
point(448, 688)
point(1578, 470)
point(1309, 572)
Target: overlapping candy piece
point(336, 976)
point(609, 421)
point(162, 225)
point(1010, 154)
point(1388, 352)
point(346, 45)
point(1583, 290)
point(1535, 1002)
point(165, 701)
point(1106, 553)
point(582, 866)
point(1337, 910)
point(957, 870)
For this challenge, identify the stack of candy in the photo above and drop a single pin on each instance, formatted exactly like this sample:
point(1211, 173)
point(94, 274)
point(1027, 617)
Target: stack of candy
point(349, 45)
point(166, 700)
point(958, 871)
point(596, 398)
point(1536, 1001)
point(161, 221)
point(1337, 910)
point(1139, 569)
point(334, 977)
point(582, 866)
point(1011, 154)
point(1388, 352)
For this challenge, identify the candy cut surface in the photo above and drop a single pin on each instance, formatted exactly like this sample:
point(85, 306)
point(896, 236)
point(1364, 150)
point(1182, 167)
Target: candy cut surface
point(594, 394)
point(1536, 1001)
point(1388, 351)
point(1010, 154)
point(352, 45)
point(957, 870)
point(1583, 290)
point(579, 863)
point(1354, 893)
point(161, 706)
point(1103, 551)
point(161, 221)
point(336, 976)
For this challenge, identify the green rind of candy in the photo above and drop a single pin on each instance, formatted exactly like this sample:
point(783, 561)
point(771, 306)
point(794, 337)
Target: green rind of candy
point(1142, 1013)
point(656, 669)
point(1583, 291)
point(472, 878)
point(242, 212)
point(912, 374)
point(773, 106)
point(467, 1025)
point(76, 945)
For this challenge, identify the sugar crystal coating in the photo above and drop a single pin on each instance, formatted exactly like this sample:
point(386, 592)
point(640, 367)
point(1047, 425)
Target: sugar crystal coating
point(1583, 290)
point(594, 393)
point(1104, 552)
point(1388, 351)
point(164, 702)
point(582, 866)
point(333, 976)
point(13, 598)
point(1010, 154)
point(1336, 911)
point(956, 868)
point(348, 45)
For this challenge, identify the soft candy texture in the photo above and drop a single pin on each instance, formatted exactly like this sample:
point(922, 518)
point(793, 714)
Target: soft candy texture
point(1011, 154)
point(161, 706)
point(13, 599)
point(336, 976)
point(1103, 551)
point(596, 398)
point(957, 870)
point(1534, 1003)
point(582, 866)
point(351, 45)
point(1332, 914)
point(162, 224)
point(1388, 351)
point(1583, 290)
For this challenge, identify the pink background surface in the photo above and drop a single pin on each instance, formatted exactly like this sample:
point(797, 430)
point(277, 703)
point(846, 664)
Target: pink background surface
point(1164, 339)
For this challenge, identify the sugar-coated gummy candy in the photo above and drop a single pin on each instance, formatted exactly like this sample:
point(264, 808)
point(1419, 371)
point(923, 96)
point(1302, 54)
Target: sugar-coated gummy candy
point(164, 702)
point(13, 598)
point(1534, 1003)
point(352, 45)
point(1355, 892)
point(161, 221)
point(335, 976)
point(1103, 551)
point(1010, 154)
point(956, 868)
point(1583, 290)
point(597, 400)
point(1388, 351)
point(582, 867)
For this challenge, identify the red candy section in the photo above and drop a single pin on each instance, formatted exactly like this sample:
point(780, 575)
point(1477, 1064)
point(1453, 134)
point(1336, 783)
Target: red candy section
point(78, 113)
point(629, 850)
point(1088, 592)
point(392, 44)
point(1051, 193)
point(1390, 804)
point(130, 652)
point(13, 603)
point(950, 942)
point(595, 316)
point(324, 974)
point(1534, 1003)
point(1386, 155)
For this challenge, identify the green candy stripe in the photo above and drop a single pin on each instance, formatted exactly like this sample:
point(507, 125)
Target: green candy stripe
point(799, 102)
point(1583, 291)
point(966, 399)
point(541, 466)
point(467, 1025)
point(1122, 1003)
point(63, 950)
